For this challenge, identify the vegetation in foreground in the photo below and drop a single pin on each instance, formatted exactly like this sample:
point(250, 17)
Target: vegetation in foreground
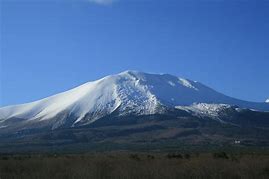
point(136, 166)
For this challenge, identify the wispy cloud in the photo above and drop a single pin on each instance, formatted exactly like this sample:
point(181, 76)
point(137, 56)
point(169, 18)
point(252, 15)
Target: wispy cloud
point(102, 2)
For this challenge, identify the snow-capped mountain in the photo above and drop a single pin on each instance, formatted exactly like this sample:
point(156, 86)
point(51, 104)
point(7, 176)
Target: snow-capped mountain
point(129, 92)
point(267, 101)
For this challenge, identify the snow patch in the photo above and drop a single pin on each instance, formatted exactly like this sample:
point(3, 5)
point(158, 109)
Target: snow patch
point(186, 83)
point(171, 83)
point(2, 127)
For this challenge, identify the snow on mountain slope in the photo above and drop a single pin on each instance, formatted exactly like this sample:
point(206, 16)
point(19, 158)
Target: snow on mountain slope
point(207, 110)
point(103, 95)
point(128, 92)
point(267, 101)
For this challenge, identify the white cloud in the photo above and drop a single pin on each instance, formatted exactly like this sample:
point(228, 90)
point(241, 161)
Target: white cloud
point(102, 2)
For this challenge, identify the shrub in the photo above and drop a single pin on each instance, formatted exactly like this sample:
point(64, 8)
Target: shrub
point(266, 171)
point(221, 155)
point(4, 158)
point(175, 155)
point(187, 156)
point(150, 157)
point(135, 156)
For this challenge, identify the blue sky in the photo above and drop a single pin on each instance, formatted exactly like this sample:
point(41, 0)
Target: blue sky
point(49, 46)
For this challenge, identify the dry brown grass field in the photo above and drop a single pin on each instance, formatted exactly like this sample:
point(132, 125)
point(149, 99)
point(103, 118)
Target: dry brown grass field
point(123, 165)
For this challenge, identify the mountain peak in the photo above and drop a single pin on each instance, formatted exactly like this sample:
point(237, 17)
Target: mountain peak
point(267, 101)
point(131, 72)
